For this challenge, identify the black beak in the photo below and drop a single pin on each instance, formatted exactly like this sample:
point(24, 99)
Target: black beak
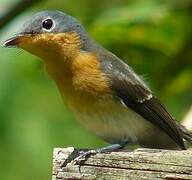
point(11, 42)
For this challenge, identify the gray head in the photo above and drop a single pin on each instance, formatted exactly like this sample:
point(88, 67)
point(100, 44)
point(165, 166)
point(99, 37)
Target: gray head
point(52, 22)
point(50, 28)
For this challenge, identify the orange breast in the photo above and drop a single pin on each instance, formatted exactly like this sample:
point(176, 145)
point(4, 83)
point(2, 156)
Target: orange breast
point(88, 76)
point(81, 81)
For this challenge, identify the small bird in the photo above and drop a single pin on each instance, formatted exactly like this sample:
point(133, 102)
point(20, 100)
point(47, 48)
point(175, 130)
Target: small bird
point(102, 91)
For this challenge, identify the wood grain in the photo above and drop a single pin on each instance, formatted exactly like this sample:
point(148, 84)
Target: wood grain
point(139, 164)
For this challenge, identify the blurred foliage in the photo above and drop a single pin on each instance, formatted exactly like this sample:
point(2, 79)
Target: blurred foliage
point(153, 36)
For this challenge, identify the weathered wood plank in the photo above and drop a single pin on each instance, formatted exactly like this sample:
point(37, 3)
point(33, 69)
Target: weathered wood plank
point(139, 164)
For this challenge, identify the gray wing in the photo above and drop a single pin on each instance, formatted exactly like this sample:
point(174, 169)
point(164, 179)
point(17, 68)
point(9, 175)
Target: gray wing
point(132, 91)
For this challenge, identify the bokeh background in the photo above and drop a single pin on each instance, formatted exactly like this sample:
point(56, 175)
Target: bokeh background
point(153, 36)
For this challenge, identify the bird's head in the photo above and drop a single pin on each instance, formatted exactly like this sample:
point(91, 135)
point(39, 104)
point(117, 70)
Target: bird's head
point(48, 33)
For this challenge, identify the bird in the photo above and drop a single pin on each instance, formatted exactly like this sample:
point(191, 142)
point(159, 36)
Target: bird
point(103, 92)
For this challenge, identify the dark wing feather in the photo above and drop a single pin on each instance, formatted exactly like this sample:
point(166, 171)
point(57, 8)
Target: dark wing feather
point(130, 89)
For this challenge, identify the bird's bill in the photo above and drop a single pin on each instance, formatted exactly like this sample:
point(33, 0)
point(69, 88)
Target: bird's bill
point(16, 40)
point(44, 45)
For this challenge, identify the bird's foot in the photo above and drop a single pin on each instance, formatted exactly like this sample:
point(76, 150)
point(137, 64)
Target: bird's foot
point(83, 156)
point(79, 157)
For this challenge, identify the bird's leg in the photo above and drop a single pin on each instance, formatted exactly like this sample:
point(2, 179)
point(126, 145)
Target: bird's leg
point(83, 155)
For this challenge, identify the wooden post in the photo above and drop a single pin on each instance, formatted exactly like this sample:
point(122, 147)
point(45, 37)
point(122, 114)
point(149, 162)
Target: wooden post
point(139, 164)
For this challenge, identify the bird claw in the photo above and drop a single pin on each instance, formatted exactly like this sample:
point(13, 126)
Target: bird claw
point(82, 157)
point(79, 157)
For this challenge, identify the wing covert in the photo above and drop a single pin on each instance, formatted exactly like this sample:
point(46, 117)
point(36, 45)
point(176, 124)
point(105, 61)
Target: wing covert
point(133, 92)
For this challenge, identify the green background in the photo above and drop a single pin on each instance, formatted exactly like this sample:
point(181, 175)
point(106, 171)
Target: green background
point(153, 36)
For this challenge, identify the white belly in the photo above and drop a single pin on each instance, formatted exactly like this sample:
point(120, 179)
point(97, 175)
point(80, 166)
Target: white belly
point(116, 123)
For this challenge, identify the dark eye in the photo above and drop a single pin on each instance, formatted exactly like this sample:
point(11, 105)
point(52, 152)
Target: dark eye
point(47, 24)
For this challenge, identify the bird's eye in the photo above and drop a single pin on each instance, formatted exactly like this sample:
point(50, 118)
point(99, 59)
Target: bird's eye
point(47, 24)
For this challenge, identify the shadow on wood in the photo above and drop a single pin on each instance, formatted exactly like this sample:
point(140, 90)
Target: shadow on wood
point(139, 164)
